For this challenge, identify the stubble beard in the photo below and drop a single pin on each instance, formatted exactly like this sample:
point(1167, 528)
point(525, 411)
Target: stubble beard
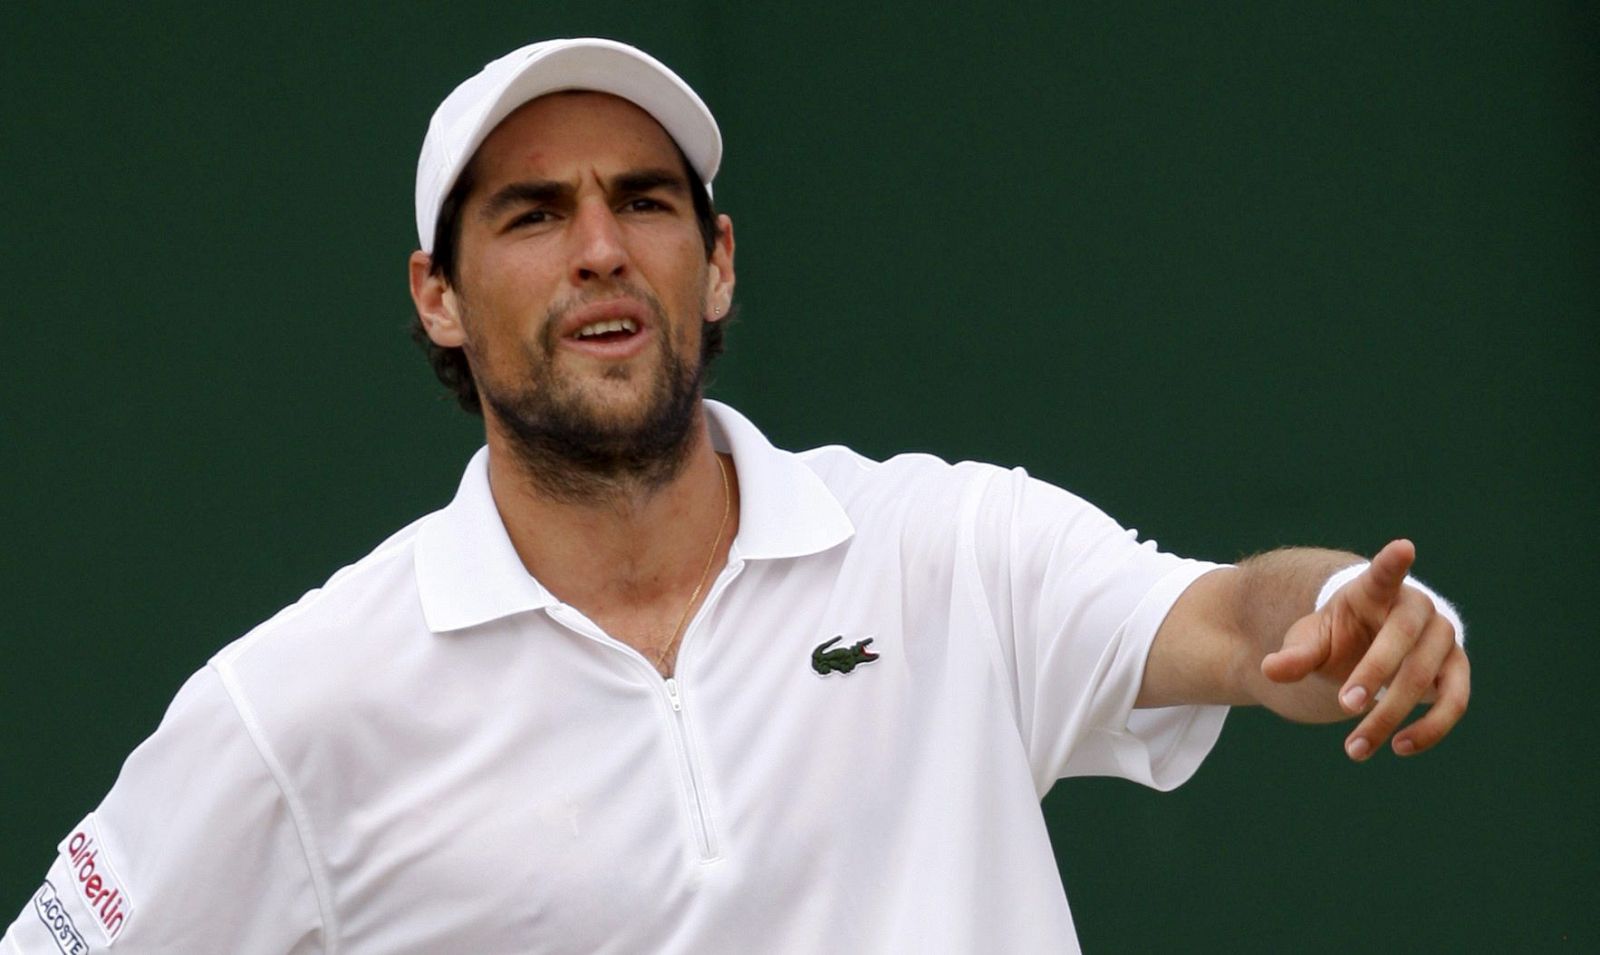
point(570, 449)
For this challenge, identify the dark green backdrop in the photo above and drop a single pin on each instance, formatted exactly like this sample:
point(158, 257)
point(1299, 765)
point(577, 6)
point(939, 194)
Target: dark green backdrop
point(1244, 274)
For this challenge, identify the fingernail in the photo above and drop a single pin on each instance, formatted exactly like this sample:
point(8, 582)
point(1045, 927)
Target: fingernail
point(1404, 747)
point(1354, 697)
point(1358, 747)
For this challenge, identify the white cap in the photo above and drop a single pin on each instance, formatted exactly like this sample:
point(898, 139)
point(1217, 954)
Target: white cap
point(473, 109)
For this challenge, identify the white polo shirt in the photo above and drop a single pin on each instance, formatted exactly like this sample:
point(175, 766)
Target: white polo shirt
point(431, 754)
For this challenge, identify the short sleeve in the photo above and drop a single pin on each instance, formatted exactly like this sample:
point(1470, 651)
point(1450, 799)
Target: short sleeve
point(194, 849)
point(1076, 600)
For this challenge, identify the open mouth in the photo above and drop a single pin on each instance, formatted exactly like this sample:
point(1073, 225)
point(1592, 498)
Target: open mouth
point(608, 330)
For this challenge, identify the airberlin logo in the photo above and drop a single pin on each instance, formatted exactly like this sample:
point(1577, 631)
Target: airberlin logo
point(99, 887)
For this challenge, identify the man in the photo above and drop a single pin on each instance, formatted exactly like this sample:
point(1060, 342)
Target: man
point(651, 684)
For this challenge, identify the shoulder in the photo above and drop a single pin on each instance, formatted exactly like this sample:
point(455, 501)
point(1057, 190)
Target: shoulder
point(912, 478)
point(369, 599)
point(917, 508)
point(927, 487)
point(302, 670)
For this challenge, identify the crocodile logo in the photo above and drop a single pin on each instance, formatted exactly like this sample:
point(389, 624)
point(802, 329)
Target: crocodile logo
point(843, 659)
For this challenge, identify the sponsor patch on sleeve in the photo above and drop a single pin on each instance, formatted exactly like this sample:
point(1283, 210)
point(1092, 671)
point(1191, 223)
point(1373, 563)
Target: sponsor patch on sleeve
point(58, 921)
point(89, 870)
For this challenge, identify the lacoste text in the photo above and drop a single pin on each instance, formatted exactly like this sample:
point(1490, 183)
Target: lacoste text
point(55, 918)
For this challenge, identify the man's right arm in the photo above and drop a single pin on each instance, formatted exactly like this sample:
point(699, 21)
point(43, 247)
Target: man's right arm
point(194, 849)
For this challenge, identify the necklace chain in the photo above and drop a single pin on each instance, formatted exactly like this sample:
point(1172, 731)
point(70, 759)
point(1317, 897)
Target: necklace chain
point(711, 558)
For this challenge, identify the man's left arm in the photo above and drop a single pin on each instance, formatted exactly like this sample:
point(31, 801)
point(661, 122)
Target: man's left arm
point(1249, 635)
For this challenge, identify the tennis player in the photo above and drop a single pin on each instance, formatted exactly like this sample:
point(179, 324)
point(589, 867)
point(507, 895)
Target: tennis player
point(651, 684)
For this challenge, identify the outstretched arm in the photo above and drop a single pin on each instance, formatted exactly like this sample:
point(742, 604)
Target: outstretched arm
point(1248, 635)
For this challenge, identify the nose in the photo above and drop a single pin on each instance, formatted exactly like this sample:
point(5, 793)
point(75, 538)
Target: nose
point(599, 252)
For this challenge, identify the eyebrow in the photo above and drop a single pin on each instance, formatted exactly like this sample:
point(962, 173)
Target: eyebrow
point(532, 193)
point(649, 180)
point(544, 191)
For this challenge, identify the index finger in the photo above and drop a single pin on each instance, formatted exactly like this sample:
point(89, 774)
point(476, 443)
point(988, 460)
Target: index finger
point(1374, 592)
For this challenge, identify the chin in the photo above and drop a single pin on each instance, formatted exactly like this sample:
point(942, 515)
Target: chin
point(619, 409)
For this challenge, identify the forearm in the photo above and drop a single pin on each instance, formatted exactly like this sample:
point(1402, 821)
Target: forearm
point(1210, 647)
point(1268, 594)
point(1254, 635)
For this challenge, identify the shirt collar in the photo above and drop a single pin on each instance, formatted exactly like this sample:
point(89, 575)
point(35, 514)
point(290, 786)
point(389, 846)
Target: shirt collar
point(468, 573)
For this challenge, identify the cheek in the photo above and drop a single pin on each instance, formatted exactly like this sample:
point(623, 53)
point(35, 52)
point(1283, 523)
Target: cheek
point(524, 270)
point(693, 283)
point(508, 304)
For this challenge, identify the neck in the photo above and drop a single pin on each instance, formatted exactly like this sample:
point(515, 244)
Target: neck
point(629, 542)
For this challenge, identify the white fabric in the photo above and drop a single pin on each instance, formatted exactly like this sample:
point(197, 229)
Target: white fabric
point(1441, 606)
point(433, 754)
point(466, 117)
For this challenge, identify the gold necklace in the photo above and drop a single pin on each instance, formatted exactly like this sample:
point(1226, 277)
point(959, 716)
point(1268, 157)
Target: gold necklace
point(711, 558)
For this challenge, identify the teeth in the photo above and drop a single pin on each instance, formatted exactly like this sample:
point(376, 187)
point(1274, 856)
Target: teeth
point(613, 325)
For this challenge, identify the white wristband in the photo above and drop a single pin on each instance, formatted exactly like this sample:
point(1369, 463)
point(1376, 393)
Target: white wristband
point(1441, 606)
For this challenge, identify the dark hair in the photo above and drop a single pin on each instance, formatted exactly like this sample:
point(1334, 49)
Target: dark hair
point(450, 364)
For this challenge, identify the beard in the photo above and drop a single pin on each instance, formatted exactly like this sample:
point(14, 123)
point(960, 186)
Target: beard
point(566, 441)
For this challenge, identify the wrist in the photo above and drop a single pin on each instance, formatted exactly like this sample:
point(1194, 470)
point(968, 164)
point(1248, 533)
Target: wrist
point(1441, 606)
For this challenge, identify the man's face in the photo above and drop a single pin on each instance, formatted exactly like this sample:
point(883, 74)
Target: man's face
point(583, 281)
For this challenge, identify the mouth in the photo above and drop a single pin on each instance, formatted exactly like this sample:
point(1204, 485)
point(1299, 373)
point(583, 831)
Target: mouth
point(613, 329)
point(607, 330)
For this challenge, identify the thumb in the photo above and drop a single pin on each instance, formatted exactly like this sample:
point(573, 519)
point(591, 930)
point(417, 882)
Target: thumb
point(1305, 648)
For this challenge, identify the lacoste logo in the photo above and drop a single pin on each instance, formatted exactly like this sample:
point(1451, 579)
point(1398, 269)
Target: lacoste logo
point(844, 659)
point(47, 903)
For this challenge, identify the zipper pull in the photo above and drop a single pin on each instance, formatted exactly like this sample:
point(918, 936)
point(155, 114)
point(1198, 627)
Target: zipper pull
point(672, 695)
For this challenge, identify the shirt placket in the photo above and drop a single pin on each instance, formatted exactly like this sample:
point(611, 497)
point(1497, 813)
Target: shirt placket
point(672, 692)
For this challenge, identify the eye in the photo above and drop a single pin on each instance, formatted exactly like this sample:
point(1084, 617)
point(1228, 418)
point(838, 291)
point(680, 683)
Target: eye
point(531, 217)
point(644, 204)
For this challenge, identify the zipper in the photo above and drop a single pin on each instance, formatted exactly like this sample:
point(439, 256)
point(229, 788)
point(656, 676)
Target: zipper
point(697, 799)
point(698, 814)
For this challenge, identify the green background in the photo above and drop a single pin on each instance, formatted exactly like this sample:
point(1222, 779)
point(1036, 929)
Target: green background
point(1243, 274)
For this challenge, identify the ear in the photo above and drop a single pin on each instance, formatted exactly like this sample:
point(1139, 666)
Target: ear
point(719, 275)
point(436, 303)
